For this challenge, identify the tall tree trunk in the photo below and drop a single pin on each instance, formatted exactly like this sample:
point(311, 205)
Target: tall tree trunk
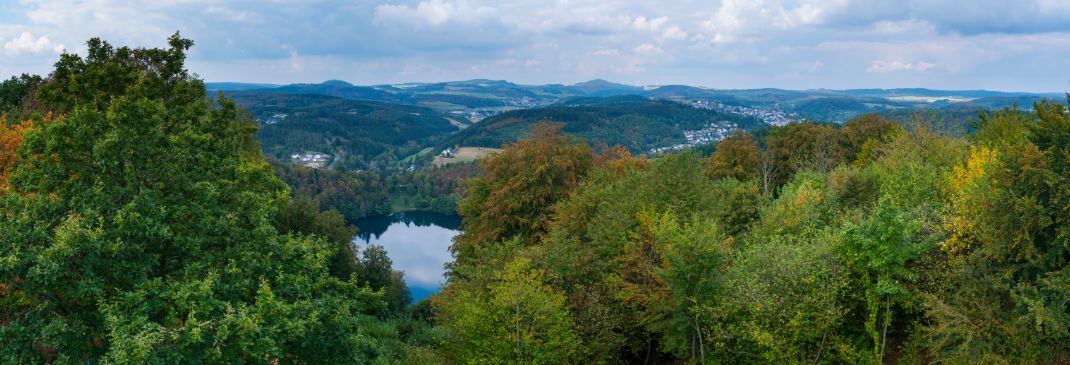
point(516, 321)
point(820, 350)
point(767, 171)
point(887, 320)
point(694, 348)
point(648, 345)
point(701, 345)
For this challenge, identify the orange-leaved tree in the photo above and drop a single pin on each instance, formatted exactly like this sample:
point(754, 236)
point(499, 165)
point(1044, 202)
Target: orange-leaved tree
point(522, 184)
point(10, 139)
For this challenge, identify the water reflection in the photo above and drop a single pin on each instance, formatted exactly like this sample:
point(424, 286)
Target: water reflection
point(417, 242)
point(373, 227)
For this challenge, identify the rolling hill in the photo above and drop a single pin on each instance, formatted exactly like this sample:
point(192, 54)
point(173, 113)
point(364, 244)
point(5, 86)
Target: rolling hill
point(343, 128)
point(635, 122)
point(362, 123)
point(496, 96)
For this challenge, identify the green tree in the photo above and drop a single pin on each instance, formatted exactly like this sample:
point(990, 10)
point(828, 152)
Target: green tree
point(605, 253)
point(694, 273)
point(15, 96)
point(787, 289)
point(784, 303)
point(301, 215)
point(879, 250)
point(516, 320)
point(1008, 299)
point(377, 272)
point(862, 133)
point(138, 229)
point(804, 147)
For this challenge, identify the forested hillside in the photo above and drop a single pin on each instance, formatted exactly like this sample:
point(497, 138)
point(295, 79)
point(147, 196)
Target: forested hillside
point(356, 133)
point(635, 122)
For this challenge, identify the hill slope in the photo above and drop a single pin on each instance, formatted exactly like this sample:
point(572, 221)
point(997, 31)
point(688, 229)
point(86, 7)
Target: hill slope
point(489, 97)
point(293, 123)
point(638, 123)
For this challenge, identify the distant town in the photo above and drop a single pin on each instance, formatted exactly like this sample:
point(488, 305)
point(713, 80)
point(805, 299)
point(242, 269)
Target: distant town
point(771, 116)
point(476, 115)
point(712, 133)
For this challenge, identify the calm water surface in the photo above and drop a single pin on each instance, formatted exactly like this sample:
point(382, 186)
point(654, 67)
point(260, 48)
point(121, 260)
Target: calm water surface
point(417, 242)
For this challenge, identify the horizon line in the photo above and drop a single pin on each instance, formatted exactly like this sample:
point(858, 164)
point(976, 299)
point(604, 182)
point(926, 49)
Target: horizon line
point(651, 86)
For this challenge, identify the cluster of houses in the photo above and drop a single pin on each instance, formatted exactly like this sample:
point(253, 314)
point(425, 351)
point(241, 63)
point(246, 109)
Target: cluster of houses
point(311, 159)
point(771, 116)
point(523, 102)
point(711, 133)
point(476, 115)
point(274, 118)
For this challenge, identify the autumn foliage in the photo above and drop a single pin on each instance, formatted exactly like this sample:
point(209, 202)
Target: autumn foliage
point(11, 137)
point(808, 243)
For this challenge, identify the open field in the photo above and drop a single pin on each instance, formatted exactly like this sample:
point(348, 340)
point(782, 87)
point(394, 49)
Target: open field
point(465, 154)
point(929, 99)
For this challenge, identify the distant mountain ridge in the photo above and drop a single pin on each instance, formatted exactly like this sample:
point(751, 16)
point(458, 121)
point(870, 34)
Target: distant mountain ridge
point(932, 92)
point(600, 87)
point(383, 124)
point(237, 86)
point(501, 95)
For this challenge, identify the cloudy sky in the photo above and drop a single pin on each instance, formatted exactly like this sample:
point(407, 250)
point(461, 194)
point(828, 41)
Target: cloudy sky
point(1019, 45)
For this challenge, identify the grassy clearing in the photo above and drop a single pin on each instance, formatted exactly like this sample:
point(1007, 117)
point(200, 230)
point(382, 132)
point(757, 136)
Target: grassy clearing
point(465, 154)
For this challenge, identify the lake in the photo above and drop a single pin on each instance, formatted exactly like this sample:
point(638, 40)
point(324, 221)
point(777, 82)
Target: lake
point(417, 242)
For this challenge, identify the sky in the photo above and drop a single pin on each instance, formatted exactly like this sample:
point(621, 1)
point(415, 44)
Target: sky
point(1011, 45)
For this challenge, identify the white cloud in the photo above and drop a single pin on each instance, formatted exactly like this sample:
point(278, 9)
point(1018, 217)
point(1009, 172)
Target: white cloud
point(903, 28)
point(882, 66)
point(295, 62)
point(817, 66)
point(740, 20)
point(647, 49)
point(235, 15)
point(674, 33)
point(26, 43)
point(433, 13)
point(653, 25)
point(605, 52)
point(727, 43)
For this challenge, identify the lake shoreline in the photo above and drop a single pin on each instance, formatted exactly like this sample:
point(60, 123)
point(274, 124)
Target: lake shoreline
point(417, 242)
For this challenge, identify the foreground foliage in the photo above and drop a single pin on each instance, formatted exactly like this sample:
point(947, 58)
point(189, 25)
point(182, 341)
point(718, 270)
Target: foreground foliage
point(809, 243)
point(143, 225)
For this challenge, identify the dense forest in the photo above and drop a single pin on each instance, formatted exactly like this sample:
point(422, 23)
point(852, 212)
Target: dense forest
point(140, 222)
point(866, 243)
point(359, 194)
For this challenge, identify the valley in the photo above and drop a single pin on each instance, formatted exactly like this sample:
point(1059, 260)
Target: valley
point(385, 131)
point(143, 220)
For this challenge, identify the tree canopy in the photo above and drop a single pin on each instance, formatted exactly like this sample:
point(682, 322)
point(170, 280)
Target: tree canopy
point(139, 226)
point(812, 243)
